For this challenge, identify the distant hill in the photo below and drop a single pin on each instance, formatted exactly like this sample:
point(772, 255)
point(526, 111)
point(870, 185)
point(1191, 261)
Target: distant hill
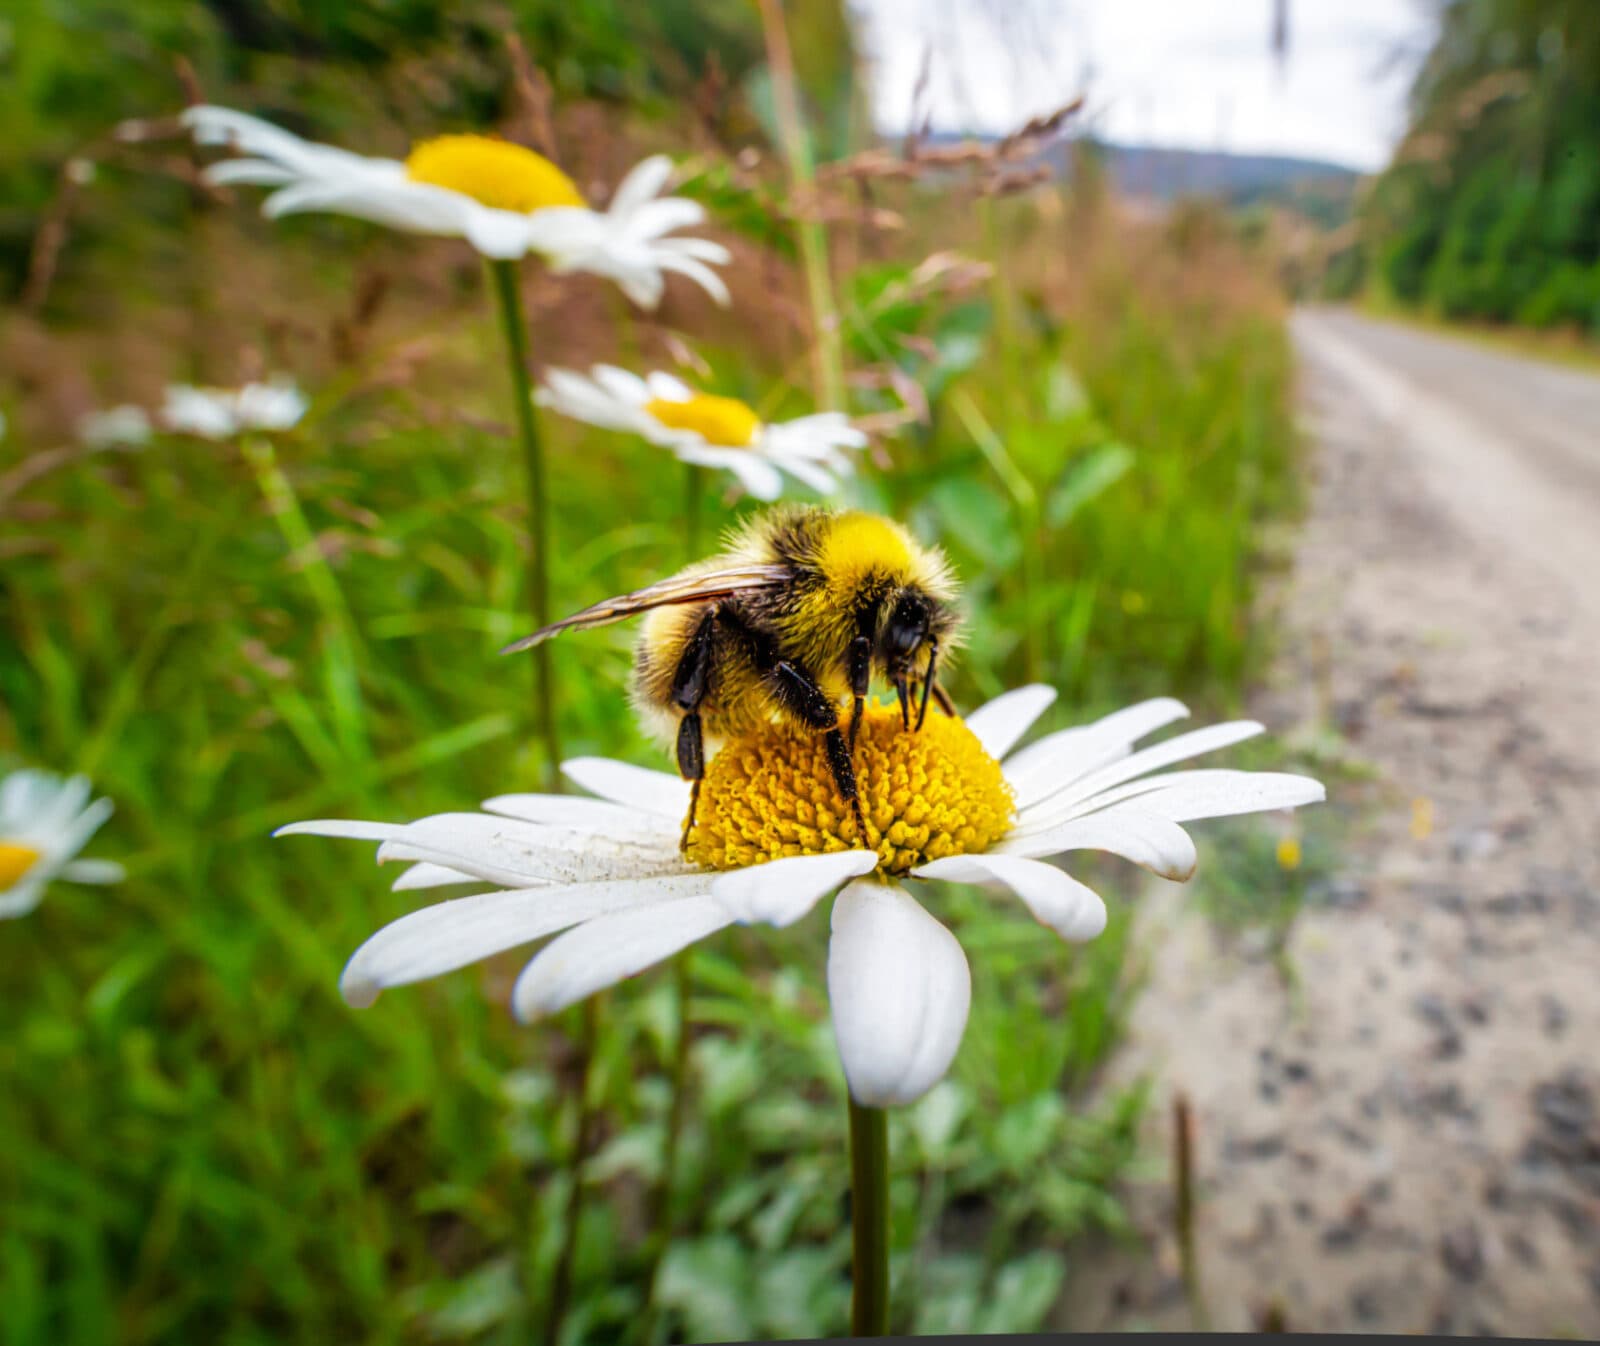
point(1321, 189)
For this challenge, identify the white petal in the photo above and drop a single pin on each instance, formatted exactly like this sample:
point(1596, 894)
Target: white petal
point(21, 899)
point(900, 990)
point(519, 854)
point(1157, 844)
point(501, 234)
point(780, 892)
point(606, 950)
point(636, 786)
point(1056, 899)
point(425, 875)
point(622, 384)
point(702, 275)
point(758, 478)
point(588, 815)
point(1085, 793)
point(644, 181)
point(999, 724)
point(453, 934)
point(1059, 759)
point(248, 172)
point(648, 222)
point(68, 840)
point(819, 479)
point(93, 871)
point(563, 233)
point(666, 388)
point(701, 249)
point(351, 828)
point(1182, 796)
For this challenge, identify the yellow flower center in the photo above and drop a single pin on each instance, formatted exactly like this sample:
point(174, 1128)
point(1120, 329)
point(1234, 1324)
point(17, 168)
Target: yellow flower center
point(15, 861)
point(723, 421)
point(494, 173)
point(926, 795)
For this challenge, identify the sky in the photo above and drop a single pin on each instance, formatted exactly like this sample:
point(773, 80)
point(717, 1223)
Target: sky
point(1191, 73)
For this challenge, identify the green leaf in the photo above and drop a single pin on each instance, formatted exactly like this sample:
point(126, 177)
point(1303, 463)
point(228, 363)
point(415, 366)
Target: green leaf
point(1023, 1293)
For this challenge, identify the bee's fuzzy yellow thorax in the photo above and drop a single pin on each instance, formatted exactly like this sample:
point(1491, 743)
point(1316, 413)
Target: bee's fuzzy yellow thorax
point(926, 794)
point(856, 546)
point(493, 172)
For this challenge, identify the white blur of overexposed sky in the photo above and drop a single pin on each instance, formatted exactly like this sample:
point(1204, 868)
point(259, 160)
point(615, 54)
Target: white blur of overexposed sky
point(1195, 74)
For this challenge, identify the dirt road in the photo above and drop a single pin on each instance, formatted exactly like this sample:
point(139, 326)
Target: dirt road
point(1412, 1143)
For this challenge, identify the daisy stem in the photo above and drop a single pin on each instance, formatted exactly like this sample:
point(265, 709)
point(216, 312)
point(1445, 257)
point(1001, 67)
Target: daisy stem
point(694, 489)
point(812, 239)
point(515, 322)
point(869, 1220)
point(561, 1276)
point(661, 1206)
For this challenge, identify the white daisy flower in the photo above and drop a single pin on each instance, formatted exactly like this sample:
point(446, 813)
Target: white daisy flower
point(707, 430)
point(44, 822)
point(221, 413)
point(125, 424)
point(772, 837)
point(502, 198)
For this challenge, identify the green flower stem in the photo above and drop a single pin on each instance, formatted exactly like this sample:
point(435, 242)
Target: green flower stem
point(514, 321)
point(661, 1209)
point(869, 1218)
point(561, 1276)
point(694, 489)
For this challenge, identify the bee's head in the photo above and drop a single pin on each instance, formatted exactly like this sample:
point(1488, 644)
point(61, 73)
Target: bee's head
point(909, 634)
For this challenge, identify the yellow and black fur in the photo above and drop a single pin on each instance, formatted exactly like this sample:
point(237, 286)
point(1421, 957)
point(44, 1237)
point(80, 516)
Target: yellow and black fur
point(792, 621)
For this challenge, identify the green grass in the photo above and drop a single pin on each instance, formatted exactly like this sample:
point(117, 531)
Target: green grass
point(200, 1141)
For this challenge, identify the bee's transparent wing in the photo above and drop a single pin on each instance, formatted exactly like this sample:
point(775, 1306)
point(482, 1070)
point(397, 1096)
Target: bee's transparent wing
point(693, 587)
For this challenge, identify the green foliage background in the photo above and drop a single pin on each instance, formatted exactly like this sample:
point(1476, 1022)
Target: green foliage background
point(1491, 209)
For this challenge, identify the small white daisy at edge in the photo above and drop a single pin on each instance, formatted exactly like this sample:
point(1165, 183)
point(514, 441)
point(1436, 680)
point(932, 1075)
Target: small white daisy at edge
point(45, 820)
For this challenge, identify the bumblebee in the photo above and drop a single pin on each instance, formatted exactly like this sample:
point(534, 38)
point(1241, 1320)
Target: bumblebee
point(789, 623)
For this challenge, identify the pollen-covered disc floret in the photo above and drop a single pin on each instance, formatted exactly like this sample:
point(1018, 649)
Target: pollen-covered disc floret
point(927, 794)
point(494, 173)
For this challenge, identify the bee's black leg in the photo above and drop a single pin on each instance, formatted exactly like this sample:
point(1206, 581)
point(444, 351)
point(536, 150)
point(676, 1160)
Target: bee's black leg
point(927, 680)
point(943, 698)
point(798, 693)
point(859, 664)
point(691, 766)
point(690, 682)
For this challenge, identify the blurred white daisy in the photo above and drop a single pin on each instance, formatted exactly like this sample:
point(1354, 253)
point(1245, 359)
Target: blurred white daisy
point(44, 822)
point(501, 197)
point(125, 424)
point(221, 413)
point(707, 430)
point(765, 847)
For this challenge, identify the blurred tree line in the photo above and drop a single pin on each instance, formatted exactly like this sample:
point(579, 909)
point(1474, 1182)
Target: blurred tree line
point(1491, 206)
point(370, 74)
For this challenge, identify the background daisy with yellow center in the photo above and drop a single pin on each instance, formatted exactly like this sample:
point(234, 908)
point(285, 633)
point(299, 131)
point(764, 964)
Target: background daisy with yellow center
point(706, 430)
point(502, 198)
point(45, 821)
point(772, 837)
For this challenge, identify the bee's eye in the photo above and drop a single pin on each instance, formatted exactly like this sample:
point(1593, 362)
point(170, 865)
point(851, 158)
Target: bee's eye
point(907, 626)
